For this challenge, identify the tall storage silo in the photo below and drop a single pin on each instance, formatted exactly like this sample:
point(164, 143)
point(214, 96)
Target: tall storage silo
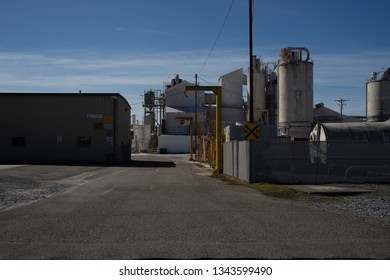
point(378, 97)
point(295, 93)
point(259, 102)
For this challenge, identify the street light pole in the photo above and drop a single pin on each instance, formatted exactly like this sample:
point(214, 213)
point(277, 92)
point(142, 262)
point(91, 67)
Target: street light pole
point(196, 118)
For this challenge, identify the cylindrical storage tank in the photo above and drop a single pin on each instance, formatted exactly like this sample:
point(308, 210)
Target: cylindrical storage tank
point(378, 98)
point(295, 92)
point(259, 74)
point(149, 98)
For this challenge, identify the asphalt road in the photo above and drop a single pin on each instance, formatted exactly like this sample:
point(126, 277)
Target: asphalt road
point(164, 207)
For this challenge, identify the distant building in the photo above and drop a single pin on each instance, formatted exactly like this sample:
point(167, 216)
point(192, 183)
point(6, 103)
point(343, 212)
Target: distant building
point(325, 115)
point(61, 128)
point(175, 136)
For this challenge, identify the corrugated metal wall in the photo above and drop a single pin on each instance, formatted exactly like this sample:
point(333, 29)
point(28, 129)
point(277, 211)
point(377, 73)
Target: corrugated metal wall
point(52, 124)
point(308, 162)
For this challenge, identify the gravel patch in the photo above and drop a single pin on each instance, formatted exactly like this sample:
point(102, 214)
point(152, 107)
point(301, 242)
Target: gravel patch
point(374, 204)
point(16, 192)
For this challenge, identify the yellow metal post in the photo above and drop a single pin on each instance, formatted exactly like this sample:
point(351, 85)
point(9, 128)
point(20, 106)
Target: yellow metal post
point(218, 122)
point(191, 142)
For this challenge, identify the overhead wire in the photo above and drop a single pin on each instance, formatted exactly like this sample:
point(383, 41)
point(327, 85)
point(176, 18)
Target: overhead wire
point(216, 40)
point(208, 82)
point(212, 48)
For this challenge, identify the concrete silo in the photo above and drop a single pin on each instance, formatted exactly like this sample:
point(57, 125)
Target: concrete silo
point(295, 93)
point(260, 112)
point(378, 97)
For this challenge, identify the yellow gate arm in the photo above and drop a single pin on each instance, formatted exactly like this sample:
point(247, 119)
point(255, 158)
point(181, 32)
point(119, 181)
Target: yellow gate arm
point(217, 90)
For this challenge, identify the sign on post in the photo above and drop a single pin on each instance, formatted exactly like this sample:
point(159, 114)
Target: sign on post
point(251, 131)
point(184, 122)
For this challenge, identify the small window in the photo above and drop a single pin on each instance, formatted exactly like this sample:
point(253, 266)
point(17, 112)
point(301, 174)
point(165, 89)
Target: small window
point(84, 141)
point(18, 141)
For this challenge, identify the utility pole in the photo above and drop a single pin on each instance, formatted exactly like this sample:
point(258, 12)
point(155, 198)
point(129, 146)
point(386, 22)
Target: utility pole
point(250, 63)
point(341, 104)
point(196, 118)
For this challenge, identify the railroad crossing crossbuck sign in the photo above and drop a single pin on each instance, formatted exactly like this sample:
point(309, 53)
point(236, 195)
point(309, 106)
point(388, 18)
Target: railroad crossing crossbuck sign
point(251, 131)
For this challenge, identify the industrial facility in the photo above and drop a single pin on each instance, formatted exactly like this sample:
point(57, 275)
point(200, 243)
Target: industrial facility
point(283, 97)
point(64, 128)
point(271, 132)
point(286, 147)
point(283, 106)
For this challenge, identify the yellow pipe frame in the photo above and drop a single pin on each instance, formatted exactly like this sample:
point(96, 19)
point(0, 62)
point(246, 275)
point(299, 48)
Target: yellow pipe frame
point(217, 90)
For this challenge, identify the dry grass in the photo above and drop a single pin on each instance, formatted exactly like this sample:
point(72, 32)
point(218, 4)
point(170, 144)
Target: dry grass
point(274, 190)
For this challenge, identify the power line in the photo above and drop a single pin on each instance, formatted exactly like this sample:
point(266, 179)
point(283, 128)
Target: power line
point(216, 40)
point(208, 82)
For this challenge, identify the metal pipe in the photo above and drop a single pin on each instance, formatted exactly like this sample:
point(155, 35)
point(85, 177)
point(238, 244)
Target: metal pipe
point(217, 90)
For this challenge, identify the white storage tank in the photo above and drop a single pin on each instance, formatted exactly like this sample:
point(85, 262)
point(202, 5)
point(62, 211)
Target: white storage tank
point(378, 97)
point(295, 92)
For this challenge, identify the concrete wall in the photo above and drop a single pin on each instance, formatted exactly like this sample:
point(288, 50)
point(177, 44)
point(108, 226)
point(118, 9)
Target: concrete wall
point(307, 162)
point(235, 160)
point(51, 126)
point(176, 96)
point(174, 144)
point(232, 84)
point(172, 125)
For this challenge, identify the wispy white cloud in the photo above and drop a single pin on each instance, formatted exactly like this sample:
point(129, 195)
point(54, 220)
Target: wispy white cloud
point(62, 70)
point(97, 71)
point(335, 75)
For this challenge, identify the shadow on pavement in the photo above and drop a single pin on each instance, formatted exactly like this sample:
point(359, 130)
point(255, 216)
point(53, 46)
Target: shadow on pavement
point(133, 163)
point(151, 164)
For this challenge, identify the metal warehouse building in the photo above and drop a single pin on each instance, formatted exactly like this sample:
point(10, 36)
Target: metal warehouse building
point(61, 128)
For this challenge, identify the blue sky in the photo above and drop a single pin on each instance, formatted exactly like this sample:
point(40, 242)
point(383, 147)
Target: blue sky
point(132, 46)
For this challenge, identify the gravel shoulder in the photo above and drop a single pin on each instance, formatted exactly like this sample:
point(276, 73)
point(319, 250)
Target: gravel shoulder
point(16, 192)
point(25, 184)
point(371, 205)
